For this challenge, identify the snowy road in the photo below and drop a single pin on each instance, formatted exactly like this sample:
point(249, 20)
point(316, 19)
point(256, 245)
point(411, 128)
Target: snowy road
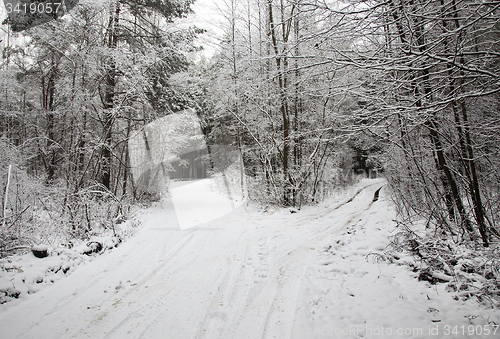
point(240, 276)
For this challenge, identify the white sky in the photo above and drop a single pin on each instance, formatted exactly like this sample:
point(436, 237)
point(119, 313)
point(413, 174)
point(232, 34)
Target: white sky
point(207, 16)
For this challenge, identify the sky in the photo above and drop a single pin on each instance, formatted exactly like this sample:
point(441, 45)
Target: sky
point(207, 15)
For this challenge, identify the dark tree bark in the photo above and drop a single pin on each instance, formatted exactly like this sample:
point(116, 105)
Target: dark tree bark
point(109, 99)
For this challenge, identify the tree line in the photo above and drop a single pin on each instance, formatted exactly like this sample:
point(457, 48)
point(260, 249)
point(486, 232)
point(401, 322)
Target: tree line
point(73, 90)
point(311, 92)
point(407, 86)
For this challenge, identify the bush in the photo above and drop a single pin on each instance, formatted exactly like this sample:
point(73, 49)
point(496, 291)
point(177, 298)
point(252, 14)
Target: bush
point(470, 270)
point(52, 214)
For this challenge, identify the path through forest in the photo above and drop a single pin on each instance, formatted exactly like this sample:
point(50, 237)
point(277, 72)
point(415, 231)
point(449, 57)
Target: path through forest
point(248, 274)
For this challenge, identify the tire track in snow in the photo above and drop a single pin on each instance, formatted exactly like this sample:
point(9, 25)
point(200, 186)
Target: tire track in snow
point(329, 290)
point(278, 323)
point(179, 246)
point(133, 293)
point(217, 313)
point(212, 316)
point(299, 221)
point(194, 263)
point(269, 301)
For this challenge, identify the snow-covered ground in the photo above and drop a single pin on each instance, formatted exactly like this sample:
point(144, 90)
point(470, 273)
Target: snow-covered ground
point(251, 274)
point(200, 201)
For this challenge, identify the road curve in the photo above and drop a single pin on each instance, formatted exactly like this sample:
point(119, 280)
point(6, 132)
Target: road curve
point(235, 277)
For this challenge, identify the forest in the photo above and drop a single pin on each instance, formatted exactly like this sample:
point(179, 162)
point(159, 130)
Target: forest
point(313, 93)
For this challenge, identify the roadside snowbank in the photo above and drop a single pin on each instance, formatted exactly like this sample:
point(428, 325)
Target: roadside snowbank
point(21, 275)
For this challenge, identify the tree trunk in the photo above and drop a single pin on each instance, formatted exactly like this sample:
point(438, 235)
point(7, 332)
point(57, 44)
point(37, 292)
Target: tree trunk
point(474, 184)
point(109, 99)
point(48, 84)
point(281, 63)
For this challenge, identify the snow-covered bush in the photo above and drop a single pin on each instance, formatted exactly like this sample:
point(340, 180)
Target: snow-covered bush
point(467, 268)
point(34, 212)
